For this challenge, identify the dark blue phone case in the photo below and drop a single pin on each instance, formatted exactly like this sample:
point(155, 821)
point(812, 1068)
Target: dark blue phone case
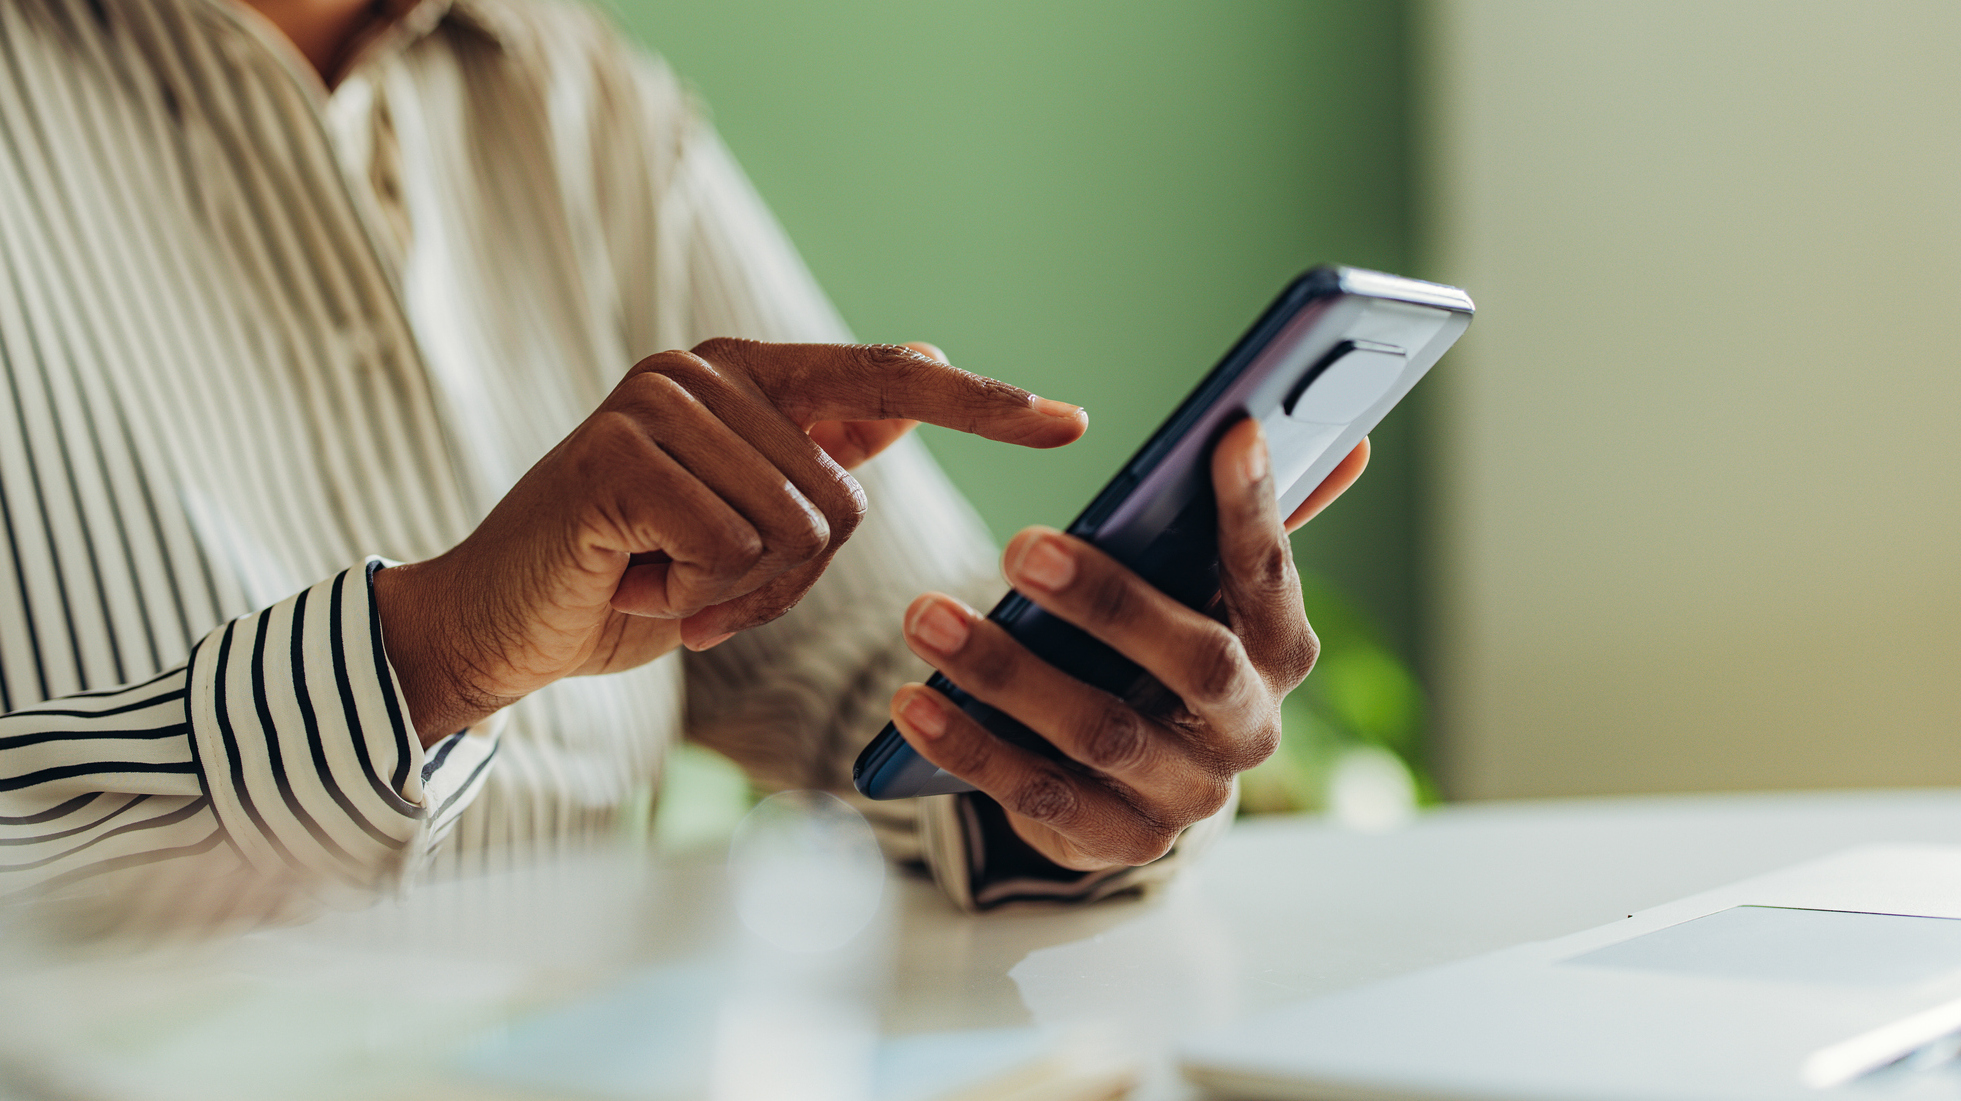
point(1364, 337)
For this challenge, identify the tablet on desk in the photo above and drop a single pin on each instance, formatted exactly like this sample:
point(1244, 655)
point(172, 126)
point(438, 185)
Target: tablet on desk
point(1839, 977)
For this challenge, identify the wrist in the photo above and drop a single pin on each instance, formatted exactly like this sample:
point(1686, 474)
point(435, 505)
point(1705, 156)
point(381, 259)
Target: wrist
point(422, 638)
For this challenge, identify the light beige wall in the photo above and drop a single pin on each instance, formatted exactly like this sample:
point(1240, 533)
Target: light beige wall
point(1699, 482)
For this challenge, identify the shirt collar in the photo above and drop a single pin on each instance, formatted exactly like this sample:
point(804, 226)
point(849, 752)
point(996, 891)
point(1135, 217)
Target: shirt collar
point(485, 17)
point(408, 21)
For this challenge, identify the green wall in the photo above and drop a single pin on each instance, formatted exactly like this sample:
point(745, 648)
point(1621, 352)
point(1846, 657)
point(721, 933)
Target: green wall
point(1089, 199)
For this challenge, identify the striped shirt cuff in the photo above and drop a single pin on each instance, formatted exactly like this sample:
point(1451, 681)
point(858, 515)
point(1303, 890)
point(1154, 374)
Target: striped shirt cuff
point(303, 736)
point(99, 781)
point(982, 864)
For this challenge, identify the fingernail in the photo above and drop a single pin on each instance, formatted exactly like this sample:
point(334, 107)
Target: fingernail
point(1256, 460)
point(923, 715)
point(713, 642)
point(1052, 408)
point(1046, 564)
point(940, 628)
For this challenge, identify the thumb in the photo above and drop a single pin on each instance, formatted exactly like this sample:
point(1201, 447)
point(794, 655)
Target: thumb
point(1333, 486)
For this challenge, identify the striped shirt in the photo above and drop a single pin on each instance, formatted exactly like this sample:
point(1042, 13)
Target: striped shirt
point(259, 338)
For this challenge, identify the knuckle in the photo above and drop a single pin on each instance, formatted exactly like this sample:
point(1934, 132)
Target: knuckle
point(964, 398)
point(803, 543)
point(1217, 664)
point(610, 432)
point(966, 757)
point(849, 513)
point(892, 370)
point(1267, 742)
point(652, 392)
point(607, 444)
point(1210, 800)
point(1110, 600)
point(1254, 748)
point(723, 349)
point(891, 358)
point(1220, 795)
point(659, 363)
point(1046, 797)
point(675, 365)
point(803, 536)
point(1117, 740)
point(737, 547)
point(989, 670)
point(1145, 844)
point(1298, 657)
point(1272, 568)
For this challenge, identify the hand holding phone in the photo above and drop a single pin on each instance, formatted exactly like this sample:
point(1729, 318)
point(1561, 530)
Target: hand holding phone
point(1108, 702)
point(1136, 770)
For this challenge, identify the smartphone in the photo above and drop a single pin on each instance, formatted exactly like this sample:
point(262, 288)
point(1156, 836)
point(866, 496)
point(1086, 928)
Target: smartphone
point(1320, 368)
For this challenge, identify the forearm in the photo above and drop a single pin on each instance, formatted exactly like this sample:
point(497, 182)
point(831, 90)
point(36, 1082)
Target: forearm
point(283, 742)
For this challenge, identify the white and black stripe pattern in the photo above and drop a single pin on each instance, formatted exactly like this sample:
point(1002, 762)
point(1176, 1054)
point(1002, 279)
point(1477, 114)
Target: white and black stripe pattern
point(285, 738)
point(307, 754)
point(178, 421)
point(96, 780)
point(252, 331)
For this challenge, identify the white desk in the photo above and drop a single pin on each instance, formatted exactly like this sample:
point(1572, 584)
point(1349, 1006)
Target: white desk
point(1288, 909)
point(1282, 910)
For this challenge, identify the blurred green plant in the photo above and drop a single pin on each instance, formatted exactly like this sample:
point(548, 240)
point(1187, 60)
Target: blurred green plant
point(703, 795)
point(1360, 703)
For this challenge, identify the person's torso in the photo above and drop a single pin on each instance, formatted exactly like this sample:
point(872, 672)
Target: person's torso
point(250, 334)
